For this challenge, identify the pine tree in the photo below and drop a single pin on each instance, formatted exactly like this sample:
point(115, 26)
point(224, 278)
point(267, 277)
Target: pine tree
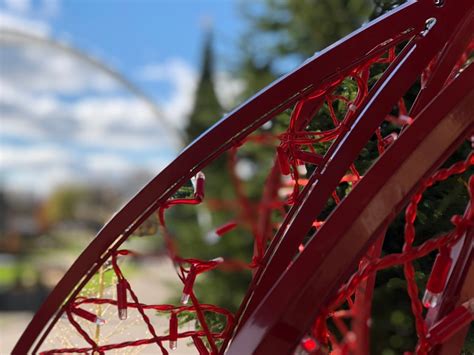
point(190, 225)
point(207, 108)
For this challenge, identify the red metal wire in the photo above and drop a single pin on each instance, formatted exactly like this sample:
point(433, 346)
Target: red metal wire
point(410, 253)
point(297, 147)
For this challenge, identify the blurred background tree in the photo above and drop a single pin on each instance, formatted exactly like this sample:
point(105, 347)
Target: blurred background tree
point(206, 103)
point(281, 34)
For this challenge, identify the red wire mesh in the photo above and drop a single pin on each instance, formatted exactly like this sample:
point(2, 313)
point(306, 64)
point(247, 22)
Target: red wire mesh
point(299, 149)
point(437, 281)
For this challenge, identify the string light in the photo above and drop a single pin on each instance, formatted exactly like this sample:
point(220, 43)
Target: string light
point(437, 281)
point(199, 185)
point(296, 149)
point(91, 317)
point(215, 234)
point(173, 342)
point(309, 344)
point(302, 169)
point(188, 285)
point(449, 325)
point(122, 299)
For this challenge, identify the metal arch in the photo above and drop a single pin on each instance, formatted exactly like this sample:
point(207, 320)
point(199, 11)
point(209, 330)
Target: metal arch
point(16, 35)
point(283, 316)
point(228, 131)
point(399, 78)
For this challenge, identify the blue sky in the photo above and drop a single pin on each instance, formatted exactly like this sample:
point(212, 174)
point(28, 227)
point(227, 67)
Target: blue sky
point(131, 34)
point(62, 120)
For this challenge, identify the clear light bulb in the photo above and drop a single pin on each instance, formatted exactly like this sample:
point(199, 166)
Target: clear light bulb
point(173, 345)
point(91, 317)
point(430, 299)
point(302, 169)
point(185, 298)
point(99, 321)
point(211, 237)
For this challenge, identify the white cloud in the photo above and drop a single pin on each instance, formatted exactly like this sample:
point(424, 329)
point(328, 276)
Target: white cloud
point(11, 21)
point(228, 89)
point(37, 167)
point(50, 8)
point(18, 5)
point(32, 157)
point(28, 16)
point(183, 79)
point(40, 167)
point(89, 137)
point(172, 69)
point(116, 110)
point(108, 164)
point(28, 8)
point(100, 114)
point(43, 180)
point(32, 67)
point(61, 120)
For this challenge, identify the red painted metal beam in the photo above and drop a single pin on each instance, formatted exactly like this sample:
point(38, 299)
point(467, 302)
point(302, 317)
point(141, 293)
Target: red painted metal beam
point(398, 78)
point(445, 62)
point(330, 63)
point(363, 303)
point(305, 288)
point(455, 344)
point(228, 131)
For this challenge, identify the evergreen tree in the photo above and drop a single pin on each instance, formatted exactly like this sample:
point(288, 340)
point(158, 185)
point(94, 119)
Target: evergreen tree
point(190, 225)
point(207, 108)
point(283, 33)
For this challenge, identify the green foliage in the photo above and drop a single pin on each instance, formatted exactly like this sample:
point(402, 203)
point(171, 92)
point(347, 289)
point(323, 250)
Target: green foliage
point(299, 27)
point(61, 205)
point(283, 33)
point(382, 6)
point(72, 203)
point(215, 322)
point(207, 108)
point(98, 282)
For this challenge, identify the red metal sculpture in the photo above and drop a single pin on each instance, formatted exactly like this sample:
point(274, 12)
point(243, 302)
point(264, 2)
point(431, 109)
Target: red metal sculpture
point(300, 284)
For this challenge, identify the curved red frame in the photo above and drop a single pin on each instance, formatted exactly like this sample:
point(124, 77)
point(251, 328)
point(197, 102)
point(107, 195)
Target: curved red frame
point(281, 319)
point(396, 81)
point(401, 24)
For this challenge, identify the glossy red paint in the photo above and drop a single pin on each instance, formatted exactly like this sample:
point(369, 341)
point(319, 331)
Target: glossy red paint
point(303, 289)
point(230, 130)
point(269, 320)
point(402, 74)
